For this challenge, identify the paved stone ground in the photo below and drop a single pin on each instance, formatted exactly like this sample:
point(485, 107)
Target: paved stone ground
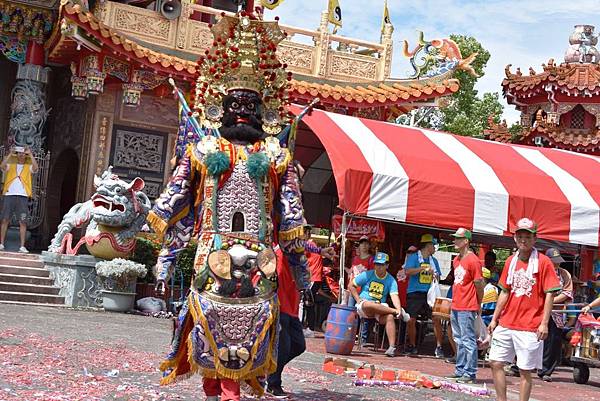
point(61, 354)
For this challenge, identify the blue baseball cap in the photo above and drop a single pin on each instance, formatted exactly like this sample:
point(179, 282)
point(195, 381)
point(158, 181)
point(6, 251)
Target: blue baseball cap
point(381, 258)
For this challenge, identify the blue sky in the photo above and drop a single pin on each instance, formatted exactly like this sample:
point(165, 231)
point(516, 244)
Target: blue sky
point(521, 33)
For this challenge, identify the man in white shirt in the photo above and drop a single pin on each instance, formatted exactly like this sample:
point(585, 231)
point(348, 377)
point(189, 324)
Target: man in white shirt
point(18, 167)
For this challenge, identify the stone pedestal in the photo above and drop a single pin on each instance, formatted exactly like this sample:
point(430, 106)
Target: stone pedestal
point(76, 277)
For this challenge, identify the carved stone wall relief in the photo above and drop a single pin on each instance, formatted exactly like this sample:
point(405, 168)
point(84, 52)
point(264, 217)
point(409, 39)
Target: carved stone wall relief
point(299, 58)
point(138, 150)
point(140, 153)
point(352, 67)
point(199, 38)
point(146, 23)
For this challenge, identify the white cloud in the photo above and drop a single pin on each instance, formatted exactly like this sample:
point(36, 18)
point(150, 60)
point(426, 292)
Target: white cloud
point(521, 33)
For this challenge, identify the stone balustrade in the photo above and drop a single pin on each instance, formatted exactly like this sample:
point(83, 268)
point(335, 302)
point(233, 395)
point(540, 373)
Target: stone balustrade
point(315, 53)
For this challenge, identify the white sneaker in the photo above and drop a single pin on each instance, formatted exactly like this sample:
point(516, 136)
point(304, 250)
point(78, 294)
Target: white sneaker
point(1, 247)
point(23, 250)
point(308, 333)
point(391, 351)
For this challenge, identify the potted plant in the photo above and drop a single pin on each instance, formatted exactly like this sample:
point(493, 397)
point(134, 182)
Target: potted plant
point(118, 278)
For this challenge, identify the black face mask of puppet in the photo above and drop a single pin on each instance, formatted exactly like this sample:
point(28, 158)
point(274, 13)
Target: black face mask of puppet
point(241, 117)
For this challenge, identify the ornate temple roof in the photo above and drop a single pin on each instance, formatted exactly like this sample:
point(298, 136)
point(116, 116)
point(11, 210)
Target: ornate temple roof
point(578, 75)
point(80, 28)
point(569, 78)
point(62, 47)
point(559, 105)
point(377, 94)
point(548, 135)
point(552, 136)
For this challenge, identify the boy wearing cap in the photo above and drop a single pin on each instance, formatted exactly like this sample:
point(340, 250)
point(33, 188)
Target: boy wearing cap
point(375, 286)
point(467, 293)
point(421, 268)
point(490, 296)
point(18, 167)
point(553, 343)
point(520, 322)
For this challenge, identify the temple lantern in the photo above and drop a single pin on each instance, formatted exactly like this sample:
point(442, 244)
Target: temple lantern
point(93, 74)
point(79, 89)
point(95, 82)
point(132, 94)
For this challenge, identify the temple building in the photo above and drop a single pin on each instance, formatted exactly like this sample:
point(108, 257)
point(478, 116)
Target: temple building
point(559, 105)
point(100, 69)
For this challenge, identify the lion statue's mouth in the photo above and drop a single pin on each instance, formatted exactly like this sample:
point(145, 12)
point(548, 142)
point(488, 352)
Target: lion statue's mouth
point(103, 202)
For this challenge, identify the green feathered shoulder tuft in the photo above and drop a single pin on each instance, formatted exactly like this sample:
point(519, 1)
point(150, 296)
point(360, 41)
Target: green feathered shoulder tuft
point(258, 165)
point(216, 163)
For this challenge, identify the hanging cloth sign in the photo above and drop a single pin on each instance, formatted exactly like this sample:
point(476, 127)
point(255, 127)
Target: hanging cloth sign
point(359, 227)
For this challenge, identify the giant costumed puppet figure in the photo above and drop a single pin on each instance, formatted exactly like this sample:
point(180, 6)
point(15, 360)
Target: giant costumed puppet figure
point(235, 190)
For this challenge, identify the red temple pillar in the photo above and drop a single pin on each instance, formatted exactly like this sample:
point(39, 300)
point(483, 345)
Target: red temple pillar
point(35, 53)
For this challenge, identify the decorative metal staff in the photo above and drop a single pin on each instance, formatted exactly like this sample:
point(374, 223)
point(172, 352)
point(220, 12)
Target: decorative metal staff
point(290, 130)
point(186, 108)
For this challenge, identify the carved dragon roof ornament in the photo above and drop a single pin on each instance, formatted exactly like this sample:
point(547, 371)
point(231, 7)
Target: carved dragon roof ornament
point(438, 57)
point(243, 56)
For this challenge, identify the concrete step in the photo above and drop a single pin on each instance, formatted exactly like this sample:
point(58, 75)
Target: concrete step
point(31, 304)
point(23, 279)
point(31, 297)
point(20, 259)
point(29, 288)
point(24, 271)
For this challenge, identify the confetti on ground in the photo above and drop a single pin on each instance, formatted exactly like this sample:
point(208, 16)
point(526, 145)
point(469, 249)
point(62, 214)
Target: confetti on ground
point(94, 356)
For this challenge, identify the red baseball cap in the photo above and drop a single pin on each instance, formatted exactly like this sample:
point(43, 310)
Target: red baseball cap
point(526, 224)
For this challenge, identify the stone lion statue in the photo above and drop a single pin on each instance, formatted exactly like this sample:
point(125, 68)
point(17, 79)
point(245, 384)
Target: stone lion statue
point(114, 215)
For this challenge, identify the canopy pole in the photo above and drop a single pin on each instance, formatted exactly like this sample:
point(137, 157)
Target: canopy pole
point(343, 257)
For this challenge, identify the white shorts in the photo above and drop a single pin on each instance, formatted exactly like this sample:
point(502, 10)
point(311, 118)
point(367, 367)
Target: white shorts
point(508, 343)
point(362, 314)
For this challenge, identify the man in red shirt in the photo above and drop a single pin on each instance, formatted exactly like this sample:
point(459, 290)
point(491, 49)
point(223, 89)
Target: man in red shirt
point(467, 293)
point(520, 322)
point(315, 266)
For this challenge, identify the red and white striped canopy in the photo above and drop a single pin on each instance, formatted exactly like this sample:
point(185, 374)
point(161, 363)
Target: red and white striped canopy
point(429, 178)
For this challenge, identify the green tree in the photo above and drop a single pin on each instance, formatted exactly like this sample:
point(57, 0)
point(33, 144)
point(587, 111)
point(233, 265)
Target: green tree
point(464, 112)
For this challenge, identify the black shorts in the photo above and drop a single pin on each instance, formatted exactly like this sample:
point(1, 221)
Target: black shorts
point(15, 205)
point(416, 304)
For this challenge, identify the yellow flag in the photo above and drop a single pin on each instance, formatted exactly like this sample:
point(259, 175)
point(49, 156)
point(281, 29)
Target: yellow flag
point(386, 16)
point(335, 14)
point(270, 4)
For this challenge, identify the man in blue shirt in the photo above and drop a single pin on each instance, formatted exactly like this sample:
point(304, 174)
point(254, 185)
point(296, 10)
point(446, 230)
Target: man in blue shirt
point(375, 286)
point(421, 269)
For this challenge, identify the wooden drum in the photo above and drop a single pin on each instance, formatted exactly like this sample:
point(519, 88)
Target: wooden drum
point(441, 308)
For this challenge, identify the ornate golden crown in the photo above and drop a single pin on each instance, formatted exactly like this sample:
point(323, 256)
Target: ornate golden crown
point(243, 56)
